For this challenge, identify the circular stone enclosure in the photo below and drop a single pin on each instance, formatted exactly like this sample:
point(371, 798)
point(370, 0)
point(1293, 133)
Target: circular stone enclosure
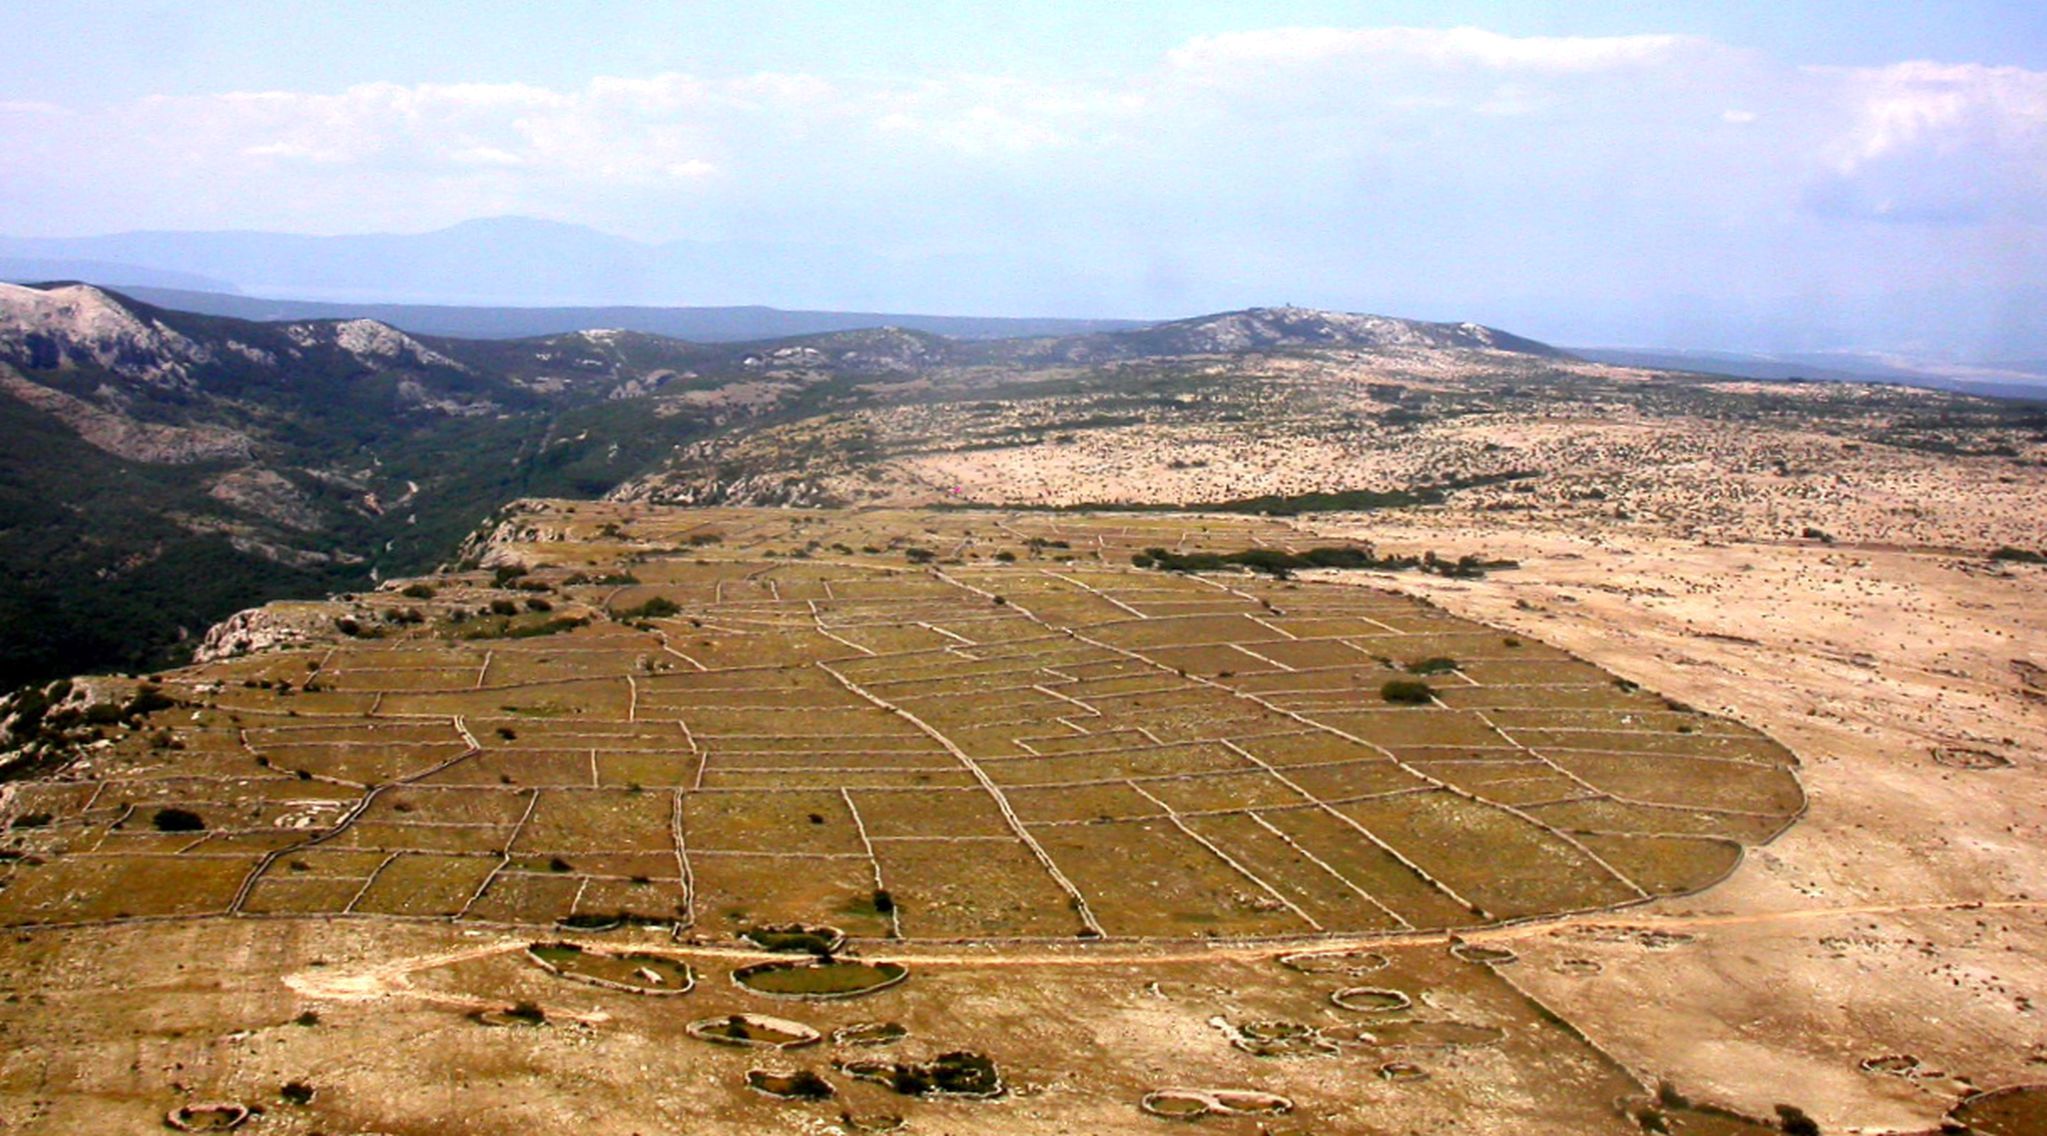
point(820, 980)
point(209, 1116)
point(753, 1031)
point(635, 972)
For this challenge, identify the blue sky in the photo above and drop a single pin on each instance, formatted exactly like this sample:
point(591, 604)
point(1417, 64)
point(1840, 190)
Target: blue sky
point(1519, 162)
point(161, 48)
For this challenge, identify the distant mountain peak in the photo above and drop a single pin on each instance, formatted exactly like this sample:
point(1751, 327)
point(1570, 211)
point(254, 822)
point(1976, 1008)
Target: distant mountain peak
point(1259, 329)
point(509, 225)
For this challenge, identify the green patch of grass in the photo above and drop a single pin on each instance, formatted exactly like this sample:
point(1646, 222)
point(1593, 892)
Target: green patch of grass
point(819, 980)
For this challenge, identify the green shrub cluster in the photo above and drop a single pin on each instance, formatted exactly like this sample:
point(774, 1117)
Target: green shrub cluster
point(1282, 565)
point(1407, 692)
point(660, 607)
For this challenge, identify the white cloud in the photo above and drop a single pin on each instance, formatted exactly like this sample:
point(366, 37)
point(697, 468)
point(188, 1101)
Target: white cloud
point(1915, 105)
point(690, 170)
point(1369, 158)
point(1941, 143)
point(486, 156)
point(1294, 47)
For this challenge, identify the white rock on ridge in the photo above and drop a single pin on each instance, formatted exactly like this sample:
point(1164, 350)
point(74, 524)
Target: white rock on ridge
point(253, 354)
point(261, 628)
point(1306, 327)
point(78, 323)
point(366, 339)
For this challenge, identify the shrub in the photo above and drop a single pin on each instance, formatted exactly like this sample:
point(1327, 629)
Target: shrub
point(178, 820)
point(527, 1012)
point(557, 624)
point(1407, 691)
point(148, 699)
point(660, 607)
point(503, 607)
point(535, 603)
point(806, 1085)
point(1795, 1122)
point(417, 592)
point(1439, 664)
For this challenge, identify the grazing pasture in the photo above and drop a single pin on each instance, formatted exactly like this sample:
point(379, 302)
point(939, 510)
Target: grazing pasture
point(1013, 734)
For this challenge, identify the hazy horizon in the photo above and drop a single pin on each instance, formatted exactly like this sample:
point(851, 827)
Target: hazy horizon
point(1749, 177)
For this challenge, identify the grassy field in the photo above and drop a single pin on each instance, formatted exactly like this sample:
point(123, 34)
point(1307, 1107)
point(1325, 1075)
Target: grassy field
point(919, 725)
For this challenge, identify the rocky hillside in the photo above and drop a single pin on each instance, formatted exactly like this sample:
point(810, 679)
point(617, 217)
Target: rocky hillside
point(165, 468)
point(1284, 329)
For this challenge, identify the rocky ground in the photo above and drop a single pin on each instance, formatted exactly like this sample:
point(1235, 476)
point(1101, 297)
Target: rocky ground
point(1907, 913)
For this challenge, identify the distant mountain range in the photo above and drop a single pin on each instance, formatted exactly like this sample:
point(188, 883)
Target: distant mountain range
point(514, 276)
point(524, 262)
point(2026, 379)
point(703, 325)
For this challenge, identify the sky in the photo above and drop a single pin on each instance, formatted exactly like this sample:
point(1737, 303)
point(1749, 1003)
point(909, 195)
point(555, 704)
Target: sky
point(1624, 172)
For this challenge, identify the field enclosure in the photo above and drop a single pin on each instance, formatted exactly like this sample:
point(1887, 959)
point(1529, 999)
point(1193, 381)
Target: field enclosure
point(941, 725)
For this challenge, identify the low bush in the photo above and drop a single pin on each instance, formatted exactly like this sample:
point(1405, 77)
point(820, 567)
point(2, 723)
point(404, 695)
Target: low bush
point(660, 607)
point(1795, 1122)
point(178, 820)
point(527, 1012)
point(1282, 565)
point(1407, 692)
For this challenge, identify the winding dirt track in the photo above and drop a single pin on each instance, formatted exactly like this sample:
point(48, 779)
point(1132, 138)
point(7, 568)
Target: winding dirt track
point(393, 978)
